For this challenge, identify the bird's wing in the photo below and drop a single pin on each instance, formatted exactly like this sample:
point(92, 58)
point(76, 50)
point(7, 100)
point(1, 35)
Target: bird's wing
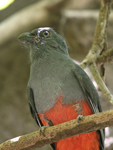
point(32, 106)
point(91, 96)
point(34, 111)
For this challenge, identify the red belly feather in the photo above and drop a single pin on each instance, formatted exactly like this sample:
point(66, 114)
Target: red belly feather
point(62, 113)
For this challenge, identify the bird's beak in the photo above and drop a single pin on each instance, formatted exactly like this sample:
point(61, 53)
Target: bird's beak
point(27, 38)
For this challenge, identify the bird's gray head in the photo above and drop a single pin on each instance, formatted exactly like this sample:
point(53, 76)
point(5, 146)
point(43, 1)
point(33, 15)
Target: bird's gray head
point(43, 40)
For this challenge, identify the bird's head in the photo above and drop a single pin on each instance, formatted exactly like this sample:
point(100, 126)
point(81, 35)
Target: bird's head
point(42, 40)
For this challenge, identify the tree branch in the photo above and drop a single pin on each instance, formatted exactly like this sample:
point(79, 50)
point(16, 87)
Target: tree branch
point(98, 46)
point(100, 34)
point(52, 134)
point(105, 57)
point(100, 82)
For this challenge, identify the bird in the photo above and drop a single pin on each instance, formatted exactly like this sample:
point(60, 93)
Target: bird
point(58, 89)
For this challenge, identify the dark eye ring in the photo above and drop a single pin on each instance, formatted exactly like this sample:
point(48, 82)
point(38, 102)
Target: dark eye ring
point(46, 34)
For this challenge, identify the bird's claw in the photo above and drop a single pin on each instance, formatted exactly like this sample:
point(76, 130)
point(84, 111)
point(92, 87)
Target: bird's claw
point(42, 129)
point(80, 117)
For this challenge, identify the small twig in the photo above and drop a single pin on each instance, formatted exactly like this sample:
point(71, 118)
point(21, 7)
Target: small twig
point(102, 67)
point(100, 34)
point(105, 57)
point(99, 81)
point(52, 134)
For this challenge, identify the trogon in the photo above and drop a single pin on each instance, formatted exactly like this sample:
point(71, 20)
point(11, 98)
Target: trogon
point(58, 89)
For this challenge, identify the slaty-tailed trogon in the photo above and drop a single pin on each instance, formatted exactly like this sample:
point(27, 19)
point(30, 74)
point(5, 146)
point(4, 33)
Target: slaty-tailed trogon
point(58, 89)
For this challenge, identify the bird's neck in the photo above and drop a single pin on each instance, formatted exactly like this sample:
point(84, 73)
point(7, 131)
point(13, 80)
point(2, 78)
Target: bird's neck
point(45, 55)
point(35, 54)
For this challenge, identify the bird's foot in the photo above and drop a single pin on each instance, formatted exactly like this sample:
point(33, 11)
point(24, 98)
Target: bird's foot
point(80, 117)
point(42, 129)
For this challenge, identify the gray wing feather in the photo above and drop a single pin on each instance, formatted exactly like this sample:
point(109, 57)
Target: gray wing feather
point(32, 106)
point(33, 110)
point(91, 96)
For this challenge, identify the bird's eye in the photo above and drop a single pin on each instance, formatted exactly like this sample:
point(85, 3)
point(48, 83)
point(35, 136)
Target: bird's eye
point(46, 34)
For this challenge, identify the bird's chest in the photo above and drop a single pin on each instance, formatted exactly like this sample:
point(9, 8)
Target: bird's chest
point(45, 80)
point(49, 81)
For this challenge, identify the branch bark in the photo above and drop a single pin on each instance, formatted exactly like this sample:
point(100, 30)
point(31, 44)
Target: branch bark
point(100, 82)
point(52, 134)
point(105, 57)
